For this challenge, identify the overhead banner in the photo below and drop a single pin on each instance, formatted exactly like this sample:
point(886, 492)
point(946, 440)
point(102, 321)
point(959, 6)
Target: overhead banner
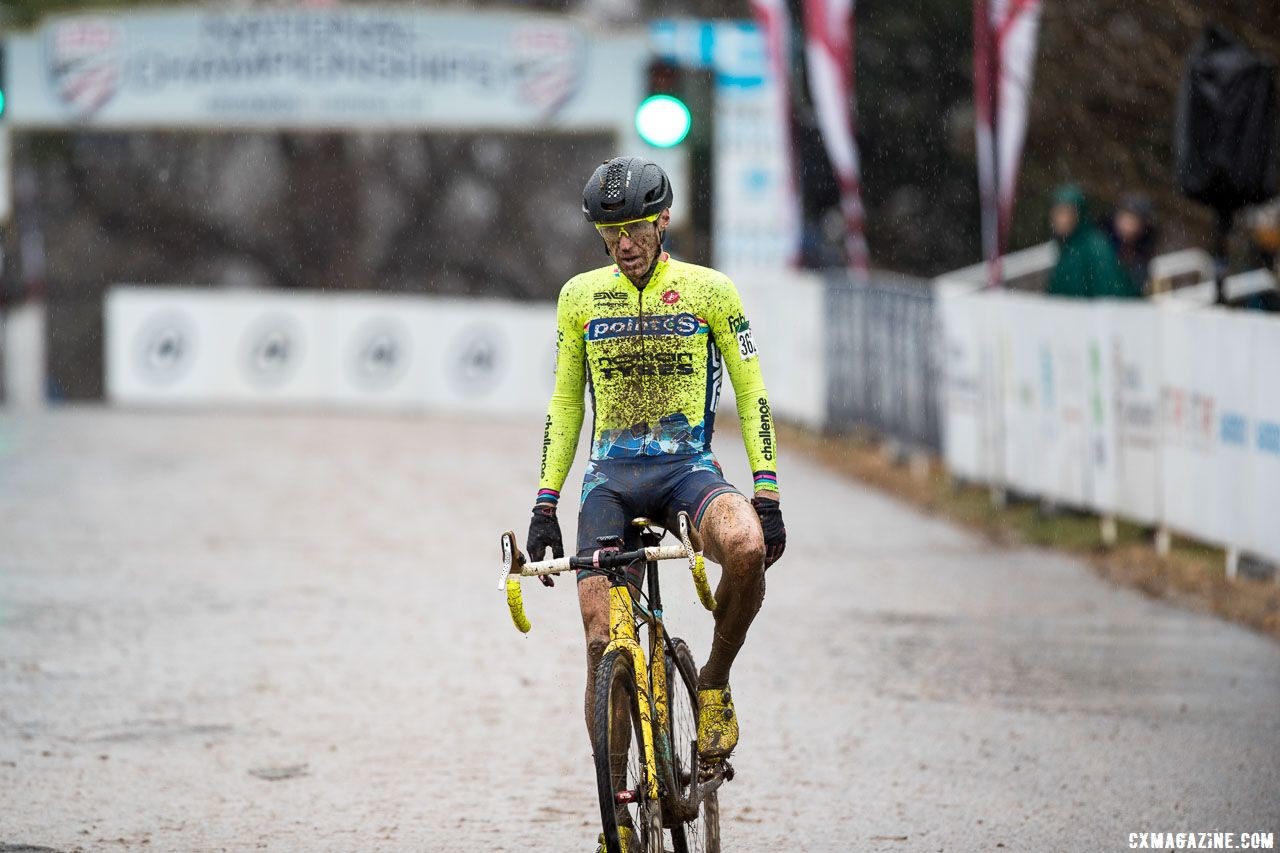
point(322, 67)
point(828, 48)
point(1004, 51)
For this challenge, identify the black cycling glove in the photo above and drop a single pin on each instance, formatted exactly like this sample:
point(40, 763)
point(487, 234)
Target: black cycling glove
point(544, 533)
point(775, 532)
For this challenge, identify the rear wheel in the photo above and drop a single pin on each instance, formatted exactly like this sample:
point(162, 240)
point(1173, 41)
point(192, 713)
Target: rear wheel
point(702, 833)
point(619, 756)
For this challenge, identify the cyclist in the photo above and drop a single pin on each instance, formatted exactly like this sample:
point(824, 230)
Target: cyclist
point(649, 337)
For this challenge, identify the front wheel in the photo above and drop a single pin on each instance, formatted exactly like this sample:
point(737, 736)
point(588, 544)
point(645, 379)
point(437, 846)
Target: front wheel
point(702, 833)
point(620, 758)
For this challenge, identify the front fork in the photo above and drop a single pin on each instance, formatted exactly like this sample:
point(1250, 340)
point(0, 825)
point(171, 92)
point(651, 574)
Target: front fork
point(652, 697)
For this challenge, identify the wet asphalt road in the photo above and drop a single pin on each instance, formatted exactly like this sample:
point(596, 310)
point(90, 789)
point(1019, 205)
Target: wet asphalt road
point(194, 606)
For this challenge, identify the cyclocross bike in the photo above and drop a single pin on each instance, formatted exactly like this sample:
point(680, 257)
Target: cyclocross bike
point(645, 707)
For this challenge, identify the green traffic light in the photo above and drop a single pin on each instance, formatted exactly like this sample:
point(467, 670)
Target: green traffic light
point(663, 121)
point(1, 102)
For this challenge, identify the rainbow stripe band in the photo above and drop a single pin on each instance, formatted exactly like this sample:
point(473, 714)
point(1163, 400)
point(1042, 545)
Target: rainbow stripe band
point(548, 496)
point(766, 480)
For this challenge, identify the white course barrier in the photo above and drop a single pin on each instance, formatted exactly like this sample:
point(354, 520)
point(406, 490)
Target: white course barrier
point(206, 347)
point(1159, 413)
point(183, 347)
point(786, 313)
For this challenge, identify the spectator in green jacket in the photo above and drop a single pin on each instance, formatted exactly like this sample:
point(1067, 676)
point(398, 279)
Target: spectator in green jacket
point(1087, 265)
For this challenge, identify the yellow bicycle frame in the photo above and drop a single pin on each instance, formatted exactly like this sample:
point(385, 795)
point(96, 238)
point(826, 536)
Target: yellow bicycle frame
point(650, 679)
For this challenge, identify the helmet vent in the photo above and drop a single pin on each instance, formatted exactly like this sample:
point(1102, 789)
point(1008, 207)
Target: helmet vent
point(613, 178)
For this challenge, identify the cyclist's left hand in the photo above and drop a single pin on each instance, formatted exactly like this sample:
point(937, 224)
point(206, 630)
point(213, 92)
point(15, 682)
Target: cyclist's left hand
point(775, 532)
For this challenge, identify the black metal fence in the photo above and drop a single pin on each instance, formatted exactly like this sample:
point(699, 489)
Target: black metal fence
point(883, 357)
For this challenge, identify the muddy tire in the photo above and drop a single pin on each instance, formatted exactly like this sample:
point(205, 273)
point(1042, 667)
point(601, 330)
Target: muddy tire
point(619, 756)
point(701, 835)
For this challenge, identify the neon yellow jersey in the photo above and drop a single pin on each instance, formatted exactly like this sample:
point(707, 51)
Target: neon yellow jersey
point(653, 360)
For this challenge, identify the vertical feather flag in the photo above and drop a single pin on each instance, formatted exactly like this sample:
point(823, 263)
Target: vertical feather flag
point(829, 39)
point(1004, 49)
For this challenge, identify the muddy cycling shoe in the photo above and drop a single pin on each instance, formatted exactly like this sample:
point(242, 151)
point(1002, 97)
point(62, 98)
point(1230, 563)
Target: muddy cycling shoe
point(717, 724)
point(626, 835)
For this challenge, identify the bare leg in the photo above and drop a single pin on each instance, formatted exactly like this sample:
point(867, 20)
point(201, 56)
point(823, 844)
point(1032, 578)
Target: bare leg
point(733, 539)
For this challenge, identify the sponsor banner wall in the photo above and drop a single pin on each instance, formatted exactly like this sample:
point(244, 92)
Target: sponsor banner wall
point(375, 358)
point(159, 345)
point(1159, 414)
point(786, 312)
point(488, 356)
point(195, 347)
point(203, 347)
point(323, 67)
point(1207, 409)
point(965, 424)
point(1263, 485)
point(1024, 351)
point(1133, 341)
point(271, 348)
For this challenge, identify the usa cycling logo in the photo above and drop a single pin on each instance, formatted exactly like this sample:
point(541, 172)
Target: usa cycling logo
point(84, 62)
point(605, 328)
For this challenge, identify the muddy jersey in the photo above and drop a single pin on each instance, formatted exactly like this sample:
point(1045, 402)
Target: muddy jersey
point(653, 360)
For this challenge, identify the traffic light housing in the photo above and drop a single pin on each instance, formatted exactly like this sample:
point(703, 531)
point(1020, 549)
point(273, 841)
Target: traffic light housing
point(663, 119)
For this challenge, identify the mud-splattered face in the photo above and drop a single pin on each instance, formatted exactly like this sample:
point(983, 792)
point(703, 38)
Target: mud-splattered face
point(636, 250)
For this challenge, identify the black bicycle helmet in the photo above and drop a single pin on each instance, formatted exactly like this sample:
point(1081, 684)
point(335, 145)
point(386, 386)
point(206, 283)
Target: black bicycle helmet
point(625, 188)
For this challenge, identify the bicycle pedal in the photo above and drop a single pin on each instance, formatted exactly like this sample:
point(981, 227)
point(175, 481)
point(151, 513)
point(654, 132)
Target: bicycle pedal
point(719, 768)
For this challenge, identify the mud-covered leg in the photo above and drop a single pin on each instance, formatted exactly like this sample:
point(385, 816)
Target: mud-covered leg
point(593, 601)
point(731, 532)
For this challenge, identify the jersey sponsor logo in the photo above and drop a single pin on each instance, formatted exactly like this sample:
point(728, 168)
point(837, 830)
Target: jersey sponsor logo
point(671, 297)
point(546, 447)
point(645, 364)
point(766, 429)
point(610, 296)
point(741, 329)
point(606, 328)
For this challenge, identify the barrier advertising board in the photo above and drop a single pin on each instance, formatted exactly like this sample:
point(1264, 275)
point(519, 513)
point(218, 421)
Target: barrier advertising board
point(1162, 414)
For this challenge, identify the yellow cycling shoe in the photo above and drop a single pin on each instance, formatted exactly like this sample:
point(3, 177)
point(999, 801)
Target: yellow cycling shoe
point(717, 723)
point(626, 835)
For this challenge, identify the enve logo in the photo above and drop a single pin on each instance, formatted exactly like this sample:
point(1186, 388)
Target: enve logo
point(379, 353)
point(166, 348)
point(272, 351)
point(479, 360)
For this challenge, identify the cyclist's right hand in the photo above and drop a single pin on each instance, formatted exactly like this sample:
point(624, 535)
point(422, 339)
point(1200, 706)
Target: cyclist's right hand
point(544, 533)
